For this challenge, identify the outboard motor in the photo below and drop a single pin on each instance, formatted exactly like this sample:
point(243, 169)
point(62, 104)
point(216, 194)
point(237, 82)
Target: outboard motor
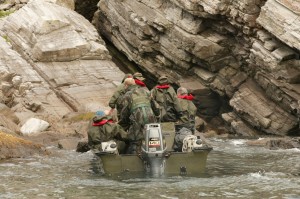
point(154, 150)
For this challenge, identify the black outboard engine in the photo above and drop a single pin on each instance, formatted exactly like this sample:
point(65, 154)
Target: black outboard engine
point(154, 150)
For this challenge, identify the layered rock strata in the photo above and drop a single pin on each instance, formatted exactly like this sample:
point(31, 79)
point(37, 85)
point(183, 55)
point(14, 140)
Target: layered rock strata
point(246, 51)
point(53, 62)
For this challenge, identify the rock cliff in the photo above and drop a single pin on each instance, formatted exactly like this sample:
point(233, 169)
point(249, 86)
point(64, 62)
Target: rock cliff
point(239, 58)
point(53, 62)
point(245, 51)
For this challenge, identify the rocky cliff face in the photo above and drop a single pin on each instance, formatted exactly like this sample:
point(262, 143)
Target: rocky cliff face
point(53, 62)
point(245, 51)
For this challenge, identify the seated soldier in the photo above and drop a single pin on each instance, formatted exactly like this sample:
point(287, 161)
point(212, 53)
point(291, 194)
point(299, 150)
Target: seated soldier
point(102, 128)
point(137, 112)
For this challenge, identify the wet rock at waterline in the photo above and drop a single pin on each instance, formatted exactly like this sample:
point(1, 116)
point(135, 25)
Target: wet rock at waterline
point(276, 143)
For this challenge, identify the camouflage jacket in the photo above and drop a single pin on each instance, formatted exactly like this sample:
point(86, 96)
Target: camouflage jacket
point(188, 109)
point(116, 99)
point(136, 112)
point(167, 99)
point(103, 129)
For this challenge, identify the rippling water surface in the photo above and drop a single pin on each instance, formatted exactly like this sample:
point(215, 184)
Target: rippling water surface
point(234, 170)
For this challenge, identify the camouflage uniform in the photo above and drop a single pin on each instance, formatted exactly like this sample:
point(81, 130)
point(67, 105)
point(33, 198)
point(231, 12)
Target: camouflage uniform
point(166, 97)
point(116, 100)
point(136, 112)
point(189, 111)
point(103, 129)
point(139, 80)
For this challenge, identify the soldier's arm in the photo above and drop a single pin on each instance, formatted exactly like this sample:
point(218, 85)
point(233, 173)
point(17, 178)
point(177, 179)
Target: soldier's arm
point(155, 107)
point(113, 100)
point(125, 113)
point(123, 134)
point(118, 132)
point(177, 105)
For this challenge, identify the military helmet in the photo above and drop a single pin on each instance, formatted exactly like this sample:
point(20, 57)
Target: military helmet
point(138, 76)
point(163, 79)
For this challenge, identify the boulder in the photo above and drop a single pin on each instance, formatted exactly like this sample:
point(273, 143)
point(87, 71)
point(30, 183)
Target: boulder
point(276, 143)
point(34, 126)
point(82, 147)
point(285, 143)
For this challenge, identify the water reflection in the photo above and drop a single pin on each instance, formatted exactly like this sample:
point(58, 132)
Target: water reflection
point(234, 170)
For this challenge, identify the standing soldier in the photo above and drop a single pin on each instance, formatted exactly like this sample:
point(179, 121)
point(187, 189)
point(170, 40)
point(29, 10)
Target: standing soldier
point(188, 108)
point(165, 96)
point(139, 80)
point(137, 112)
point(115, 100)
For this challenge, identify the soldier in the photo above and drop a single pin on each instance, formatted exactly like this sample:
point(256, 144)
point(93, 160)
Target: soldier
point(188, 108)
point(139, 80)
point(137, 111)
point(165, 96)
point(115, 100)
point(102, 128)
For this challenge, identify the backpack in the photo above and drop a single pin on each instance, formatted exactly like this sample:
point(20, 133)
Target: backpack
point(179, 137)
point(139, 99)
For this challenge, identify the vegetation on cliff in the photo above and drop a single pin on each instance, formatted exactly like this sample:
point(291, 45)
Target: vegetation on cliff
point(5, 13)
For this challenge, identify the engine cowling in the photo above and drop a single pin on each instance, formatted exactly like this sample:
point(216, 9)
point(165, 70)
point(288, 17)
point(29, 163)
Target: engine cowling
point(154, 150)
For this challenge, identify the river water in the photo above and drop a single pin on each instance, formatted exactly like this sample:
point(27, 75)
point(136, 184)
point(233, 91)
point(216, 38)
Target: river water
point(234, 170)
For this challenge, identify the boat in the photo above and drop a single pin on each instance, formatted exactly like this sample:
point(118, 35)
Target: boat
point(157, 157)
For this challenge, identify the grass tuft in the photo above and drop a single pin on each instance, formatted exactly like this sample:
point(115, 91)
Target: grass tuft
point(4, 13)
point(82, 117)
point(10, 141)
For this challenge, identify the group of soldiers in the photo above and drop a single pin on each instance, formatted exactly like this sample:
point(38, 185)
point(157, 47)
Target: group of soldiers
point(137, 106)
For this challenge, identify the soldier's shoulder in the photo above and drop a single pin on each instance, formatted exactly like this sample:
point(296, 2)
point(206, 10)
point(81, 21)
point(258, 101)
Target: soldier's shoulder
point(171, 89)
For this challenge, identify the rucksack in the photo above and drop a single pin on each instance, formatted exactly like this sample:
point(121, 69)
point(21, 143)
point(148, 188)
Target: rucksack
point(179, 137)
point(139, 99)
